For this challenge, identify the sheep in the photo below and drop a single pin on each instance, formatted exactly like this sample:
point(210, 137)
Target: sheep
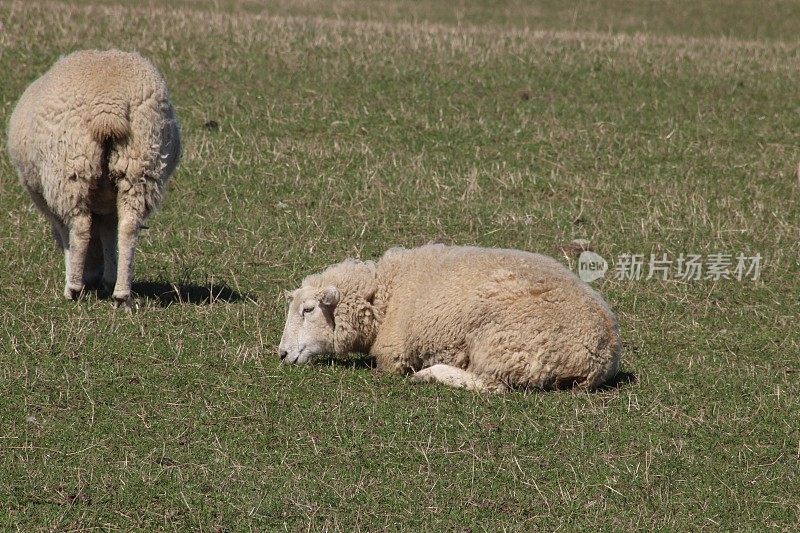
point(94, 141)
point(483, 319)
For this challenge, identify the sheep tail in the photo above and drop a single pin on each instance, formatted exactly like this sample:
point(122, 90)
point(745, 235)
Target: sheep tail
point(109, 122)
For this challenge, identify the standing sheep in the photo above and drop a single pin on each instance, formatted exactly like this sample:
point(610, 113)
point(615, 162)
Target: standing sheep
point(94, 141)
point(479, 318)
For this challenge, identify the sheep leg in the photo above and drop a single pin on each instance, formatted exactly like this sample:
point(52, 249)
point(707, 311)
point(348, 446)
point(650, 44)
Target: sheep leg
point(454, 377)
point(93, 268)
point(61, 236)
point(107, 231)
point(80, 230)
point(127, 235)
point(60, 231)
point(74, 265)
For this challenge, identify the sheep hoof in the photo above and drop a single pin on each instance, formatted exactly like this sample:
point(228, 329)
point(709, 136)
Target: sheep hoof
point(122, 301)
point(73, 293)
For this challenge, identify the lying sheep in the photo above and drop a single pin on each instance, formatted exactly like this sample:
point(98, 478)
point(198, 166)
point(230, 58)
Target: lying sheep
point(94, 141)
point(479, 318)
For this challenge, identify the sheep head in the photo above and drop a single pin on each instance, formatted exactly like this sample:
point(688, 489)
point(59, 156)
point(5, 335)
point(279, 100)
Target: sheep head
point(331, 313)
point(309, 329)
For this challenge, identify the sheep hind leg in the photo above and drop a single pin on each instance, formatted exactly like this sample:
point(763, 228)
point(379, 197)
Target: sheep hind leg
point(455, 377)
point(127, 235)
point(75, 256)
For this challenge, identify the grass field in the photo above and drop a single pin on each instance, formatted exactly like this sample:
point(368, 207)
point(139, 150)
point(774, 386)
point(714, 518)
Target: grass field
point(319, 130)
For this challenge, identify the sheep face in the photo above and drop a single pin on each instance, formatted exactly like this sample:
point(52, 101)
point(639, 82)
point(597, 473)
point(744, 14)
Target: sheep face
point(309, 324)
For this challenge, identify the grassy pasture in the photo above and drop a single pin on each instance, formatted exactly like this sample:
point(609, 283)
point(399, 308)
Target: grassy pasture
point(319, 130)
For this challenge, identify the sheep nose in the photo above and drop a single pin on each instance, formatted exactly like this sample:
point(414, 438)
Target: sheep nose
point(283, 353)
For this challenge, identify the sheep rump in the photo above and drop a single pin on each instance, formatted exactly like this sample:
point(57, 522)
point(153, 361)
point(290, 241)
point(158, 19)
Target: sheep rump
point(94, 141)
point(480, 318)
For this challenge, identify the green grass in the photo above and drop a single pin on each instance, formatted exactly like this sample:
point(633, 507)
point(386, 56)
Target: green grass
point(346, 128)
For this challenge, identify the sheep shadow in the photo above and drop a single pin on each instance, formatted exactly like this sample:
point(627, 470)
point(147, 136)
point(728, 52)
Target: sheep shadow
point(165, 294)
point(354, 362)
point(365, 362)
point(621, 380)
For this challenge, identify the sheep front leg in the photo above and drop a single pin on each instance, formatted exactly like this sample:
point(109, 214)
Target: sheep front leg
point(127, 235)
point(455, 377)
point(60, 233)
point(61, 236)
point(107, 231)
point(93, 268)
point(80, 229)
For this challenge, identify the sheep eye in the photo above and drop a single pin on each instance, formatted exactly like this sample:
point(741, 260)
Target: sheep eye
point(308, 309)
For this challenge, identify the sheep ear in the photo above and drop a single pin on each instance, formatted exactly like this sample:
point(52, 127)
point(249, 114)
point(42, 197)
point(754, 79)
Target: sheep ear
point(330, 296)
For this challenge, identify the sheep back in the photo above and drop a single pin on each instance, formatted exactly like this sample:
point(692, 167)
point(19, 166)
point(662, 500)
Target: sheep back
point(95, 114)
point(516, 318)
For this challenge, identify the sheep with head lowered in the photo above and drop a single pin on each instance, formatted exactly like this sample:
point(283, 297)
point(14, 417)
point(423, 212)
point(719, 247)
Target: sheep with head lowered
point(479, 318)
point(94, 141)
